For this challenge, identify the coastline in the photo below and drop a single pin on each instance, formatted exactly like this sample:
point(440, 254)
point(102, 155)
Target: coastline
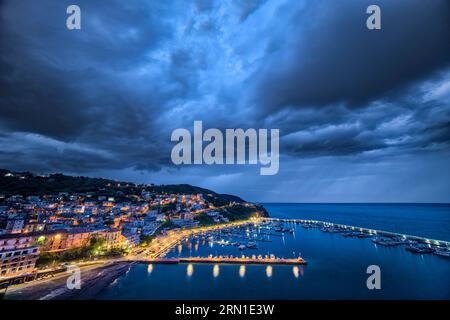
point(93, 280)
point(96, 278)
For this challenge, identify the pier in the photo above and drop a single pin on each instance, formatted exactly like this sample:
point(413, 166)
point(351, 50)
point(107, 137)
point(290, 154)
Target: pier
point(374, 232)
point(271, 260)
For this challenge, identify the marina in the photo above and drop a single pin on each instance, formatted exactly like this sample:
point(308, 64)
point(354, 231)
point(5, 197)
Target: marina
point(413, 244)
point(246, 237)
point(228, 260)
point(291, 252)
point(336, 265)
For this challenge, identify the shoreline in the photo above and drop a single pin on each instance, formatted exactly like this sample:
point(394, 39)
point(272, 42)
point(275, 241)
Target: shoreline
point(93, 280)
point(55, 288)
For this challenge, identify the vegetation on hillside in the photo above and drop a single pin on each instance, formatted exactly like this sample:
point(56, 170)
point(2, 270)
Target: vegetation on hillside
point(28, 184)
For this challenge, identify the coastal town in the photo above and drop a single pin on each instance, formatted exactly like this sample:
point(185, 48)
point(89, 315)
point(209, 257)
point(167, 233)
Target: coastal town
point(43, 226)
point(51, 225)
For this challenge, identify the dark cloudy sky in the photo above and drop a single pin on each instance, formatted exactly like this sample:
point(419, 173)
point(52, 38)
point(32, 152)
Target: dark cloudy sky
point(364, 116)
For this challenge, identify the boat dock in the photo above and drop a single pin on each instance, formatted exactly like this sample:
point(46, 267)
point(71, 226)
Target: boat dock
point(368, 231)
point(227, 260)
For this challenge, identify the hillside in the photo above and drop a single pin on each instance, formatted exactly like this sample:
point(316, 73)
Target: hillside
point(29, 184)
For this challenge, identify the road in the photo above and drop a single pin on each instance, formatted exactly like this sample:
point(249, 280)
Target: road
point(93, 279)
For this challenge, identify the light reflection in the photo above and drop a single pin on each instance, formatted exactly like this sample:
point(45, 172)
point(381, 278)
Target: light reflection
point(295, 271)
point(242, 271)
point(196, 247)
point(216, 271)
point(150, 269)
point(190, 270)
point(269, 271)
point(180, 248)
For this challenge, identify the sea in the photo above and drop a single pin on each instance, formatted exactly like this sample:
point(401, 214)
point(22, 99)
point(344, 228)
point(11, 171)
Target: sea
point(337, 266)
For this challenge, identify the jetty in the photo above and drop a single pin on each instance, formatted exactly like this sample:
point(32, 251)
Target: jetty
point(374, 232)
point(271, 260)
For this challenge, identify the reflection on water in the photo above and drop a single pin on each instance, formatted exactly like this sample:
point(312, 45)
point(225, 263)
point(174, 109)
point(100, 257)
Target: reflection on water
point(190, 270)
point(196, 246)
point(150, 269)
point(242, 271)
point(180, 248)
point(216, 271)
point(269, 271)
point(295, 271)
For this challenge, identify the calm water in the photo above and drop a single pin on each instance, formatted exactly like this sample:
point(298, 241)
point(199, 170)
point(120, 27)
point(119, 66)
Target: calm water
point(336, 265)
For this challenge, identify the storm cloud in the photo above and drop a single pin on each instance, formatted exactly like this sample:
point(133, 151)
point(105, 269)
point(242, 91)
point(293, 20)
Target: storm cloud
point(103, 100)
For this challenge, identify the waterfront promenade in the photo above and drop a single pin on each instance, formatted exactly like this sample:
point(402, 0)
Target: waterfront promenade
point(161, 245)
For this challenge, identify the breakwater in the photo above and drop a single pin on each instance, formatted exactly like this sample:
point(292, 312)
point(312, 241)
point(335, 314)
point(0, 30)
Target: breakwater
point(374, 232)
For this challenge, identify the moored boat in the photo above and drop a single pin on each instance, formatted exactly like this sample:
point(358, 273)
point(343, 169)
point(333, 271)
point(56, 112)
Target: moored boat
point(387, 241)
point(252, 245)
point(442, 252)
point(419, 249)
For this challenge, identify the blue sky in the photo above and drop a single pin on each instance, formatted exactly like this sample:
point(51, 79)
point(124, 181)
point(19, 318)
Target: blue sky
point(364, 116)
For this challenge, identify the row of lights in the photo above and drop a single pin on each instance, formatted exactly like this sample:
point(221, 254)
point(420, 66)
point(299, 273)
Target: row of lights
point(216, 271)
